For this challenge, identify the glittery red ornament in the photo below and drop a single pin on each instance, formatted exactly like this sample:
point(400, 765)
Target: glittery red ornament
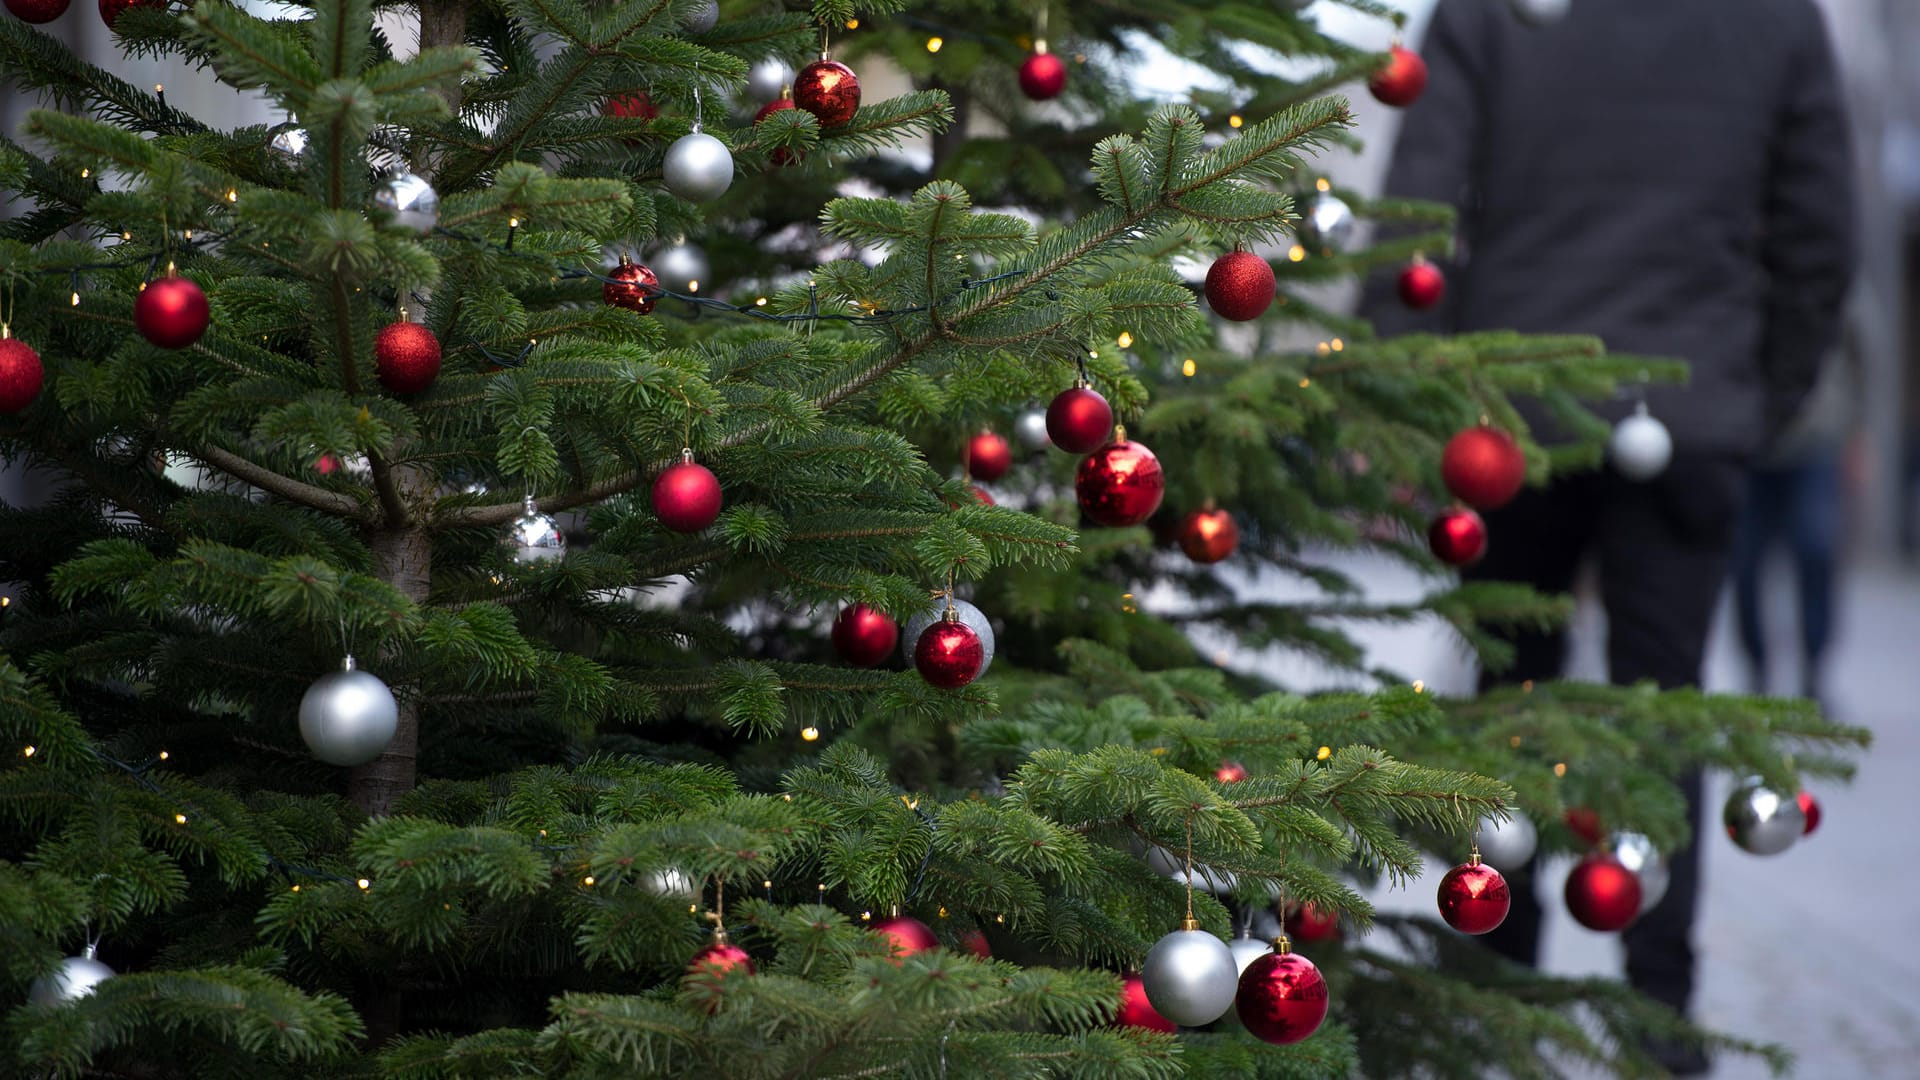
point(37, 11)
point(1474, 898)
point(1137, 1011)
point(1120, 483)
point(988, 456)
point(171, 312)
point(1602, 894)
point(1042, 76)
point(864, 636)
point(631, 286)
point(110, 9)
point(1282, 998)
point(1079, 420)
point(976, 944)
point(781, 155)
point(686, 495)
point(949, 654)
point(1422, 285)
point(909, 935)
point(1585, 824)
point(1401, 79)
point(829, 90)
point(1230, 772)
point(1207, 536)
point(1240, 286)
point(721, 956)
point(406, 357)
point(1458, 537)
point(635, 106)
point(1311, 922)
point(1483, 467)
point(20, 374)
point(1809, 806)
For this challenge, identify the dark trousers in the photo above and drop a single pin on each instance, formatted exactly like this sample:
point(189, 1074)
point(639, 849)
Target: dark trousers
point(1800, 505)
point(1662, 548)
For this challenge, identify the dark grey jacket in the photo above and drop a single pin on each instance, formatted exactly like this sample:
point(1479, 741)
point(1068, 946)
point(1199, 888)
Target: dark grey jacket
point(1671, 175)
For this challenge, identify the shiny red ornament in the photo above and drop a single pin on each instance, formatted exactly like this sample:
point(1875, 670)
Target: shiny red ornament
point(37, 11)
point(719, 957)
point(1230, 772)
point(988, 456)
point(781, 155)
point(1079, 420)
point(1401, 79)
point(20, 374)
point(949, 655)
point(1042, 76)
point(1483, 467)
point(1207, 536)
point(1602, 894)
point(1240, 286)
point(1458, 537)
point(1585, 824)
point(908, 934)
point(110, 9)
point(1120, 483)
point(1310, 923)
point(1809, 806)
point(864, 636)
point(829, 90)
point(686, 495)
point(171, 312)
point(1136, 1011)
point(976, 944)
point(1282, 998)
point(1422, 285)
point(406, 357)
point(1474, 897)
point(635, 106)
point(631, 286)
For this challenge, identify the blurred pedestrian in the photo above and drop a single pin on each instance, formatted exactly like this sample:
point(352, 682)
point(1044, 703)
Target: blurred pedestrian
point(1675, 179)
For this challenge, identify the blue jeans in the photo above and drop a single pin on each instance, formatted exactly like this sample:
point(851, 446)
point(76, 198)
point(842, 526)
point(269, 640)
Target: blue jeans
point(1800, 505)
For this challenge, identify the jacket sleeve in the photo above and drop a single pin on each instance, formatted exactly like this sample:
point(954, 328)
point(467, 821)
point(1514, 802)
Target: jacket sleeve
point(1807, 251)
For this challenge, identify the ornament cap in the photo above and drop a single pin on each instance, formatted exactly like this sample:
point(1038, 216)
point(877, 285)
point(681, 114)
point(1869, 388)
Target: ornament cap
point(1040, 46)
point(88, 952)
point(686, 455)
point(1119, 433)
point(5, 331)
point(1189, 923)
point(529, 506)
point(347, 663)
point(1283, 944)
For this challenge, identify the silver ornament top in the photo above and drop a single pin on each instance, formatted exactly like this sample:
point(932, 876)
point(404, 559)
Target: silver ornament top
point(698, 168)
point(1191, 977)
point(701, 17)
point(290, 144)
point(1328, 224)
point(348, 717)
point(1638, 854)
point(75, 978)
point(1763, 821)
point(1031, 429)
point(768, 79)
point(534, 536)
point(680, 266)
point(1641, 446)
point(408, 201)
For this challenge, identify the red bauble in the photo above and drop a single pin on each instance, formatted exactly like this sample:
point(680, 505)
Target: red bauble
point(1120, 484)
point(1483, 467)
point(988, 456)
point(20, 375)
point(110, 9)
point(1240, 286)
point(1079, 420)
point(1458, 537)
point(406, 357)
point(908, 934)
point(719, 957)
point(781, 155)
point(1585, 824)
point(1602, 894)
point(1230, 772)
point(1282, 998)
point(1207, 536)
point(1042, 76)
point(829, 90)
point(1401, 79)
point(864, 636)
point(1422, 285)
point(37, 11)
point(1310, 923)
point(1474, 898)
point(949, 655)
point(631, 286)
point(686, 496)
point(1137, 1011)
point(171, 312)
point(1809, 806)
point(634, 106)
point(976, 944)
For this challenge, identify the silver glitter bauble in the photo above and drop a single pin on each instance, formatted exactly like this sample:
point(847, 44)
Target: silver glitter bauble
point(1637, 854)
point(768, 79)
point(1507, 845)
point(1167, 863)
point(680, 266)
point(1761, 820)
point(1190, 976)
point(699, 167)
point(348, 716)
point(408, 202)
point(1248, 949)
point(1641, 446)
point(702, 17)
point(74, 979)
point(972, 616)
point(534, 537)
point(1031, 429)
point(1326, 227)
point(1541, 12)
point(289, 145)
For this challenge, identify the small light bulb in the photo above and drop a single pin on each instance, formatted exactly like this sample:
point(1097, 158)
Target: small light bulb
point(74, 299)
point(513, 223)
point(84, 173)
point(125, 235)
point(1514, 742)
point(296, 888)
point(1000, 918)
point(1419, 686)
point(159, 88)
point(30, 751)
point(853, 24)
point(233, 196)
point(1188, 368)
point(1323, 184)
point(1559, 768)
point(179, 819)
point(1126, 339)
point(364, 883)
point(163, 755)
point(1323, 348)
point(1323, 753)
point(1296, 253)
point(809, 733)
point(187, 233)
point(1234, 121)
point(1304, 383)
point(1093, 354)
point(693, 286)
point(767, 884)
point(934, 43)
point(588, 880)
point(760, 301)
point(1338, 344)
point(866, 916)
point(943, 911)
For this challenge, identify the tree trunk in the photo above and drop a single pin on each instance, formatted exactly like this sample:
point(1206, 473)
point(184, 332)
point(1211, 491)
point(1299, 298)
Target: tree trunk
point(403, 558)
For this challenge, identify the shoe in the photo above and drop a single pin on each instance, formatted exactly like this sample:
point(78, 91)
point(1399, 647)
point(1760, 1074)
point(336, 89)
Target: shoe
point(1679, 1058)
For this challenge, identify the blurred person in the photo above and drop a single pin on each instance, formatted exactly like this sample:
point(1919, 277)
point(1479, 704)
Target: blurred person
point(1675, 179)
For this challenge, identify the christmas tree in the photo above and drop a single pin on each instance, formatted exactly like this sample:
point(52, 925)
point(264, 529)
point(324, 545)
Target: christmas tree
point(620, 416)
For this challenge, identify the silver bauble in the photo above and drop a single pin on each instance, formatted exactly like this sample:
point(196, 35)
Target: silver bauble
point(1541, 12)
point(1507, 845)
point(408, 202)
point(1190, 976)
point(348, 716)
point(1327, 225)
point(289, 145)
point(768, 79)
point(680, 266)
point(699, 167)
point(1031, 429)
point(1166, 863)
point(1638, 854)
point(702, 17)
point(1248, 949)
point(972, 616)
point(74, 979)
point(534, 537)
point(1641, 446)
point(671, 882)
point(1761, 820)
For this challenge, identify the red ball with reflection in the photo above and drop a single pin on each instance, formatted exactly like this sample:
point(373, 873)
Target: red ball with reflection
point(976, 944)
point(634, 106)
point(1585, 824)
point(20, 375)
point(1043, 76)
point(686, 496)
point(829, 90)
point(110, 9)
point(171, 312)
point(1809, 808)
point(1421, 285)
point(781, 155)
point(1079, 420)
point(1474, 898)
point(1483, 467)
point(864, 636)
point(1602, 894)
point(1137, 1011)
point(1230, 772)
point(406, 357)
point(37, 11)
point(1458, 537)
point(988, 456)
point(1282, 998)
point(631, 286)
point(1401, 79)
point(1240, 286)
point(949, 655)
point(1120, 484)
point(1310, 923)
point(908, 934)
point(721, 956)
point(1207, 536)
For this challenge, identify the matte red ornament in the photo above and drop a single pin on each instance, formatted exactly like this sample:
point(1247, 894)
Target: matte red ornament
point(980, 496)
point(949, 654)
point(1136, 1011)
point(171, 312)
point(1401, 79)
point(686, 495)
point(631, 286)
point(1602, 894)
point(988, 456)
point(20, 374)
point(1240, 286)
point(1585, 824)
point(635, 106)
point(829, 90)
point(1809, 806)
point(37, 11)
point(1422, 285)
point(1120, 483)
point(1207, 536)
point(976, 944)
point(1079, 419)
point(1310, 923)
point(1483, 467)
point(1282, 998)
point(909, 935)
point(719, 957)
point(1230, 772)
point(781, 155)
point(1474, 897)
point(110, 9)
point(1042, 76)
point(1458, 537)
point(864, 636)
point(406, 357)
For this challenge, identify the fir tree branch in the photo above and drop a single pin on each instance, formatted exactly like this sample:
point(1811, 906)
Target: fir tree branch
point(286, 487)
